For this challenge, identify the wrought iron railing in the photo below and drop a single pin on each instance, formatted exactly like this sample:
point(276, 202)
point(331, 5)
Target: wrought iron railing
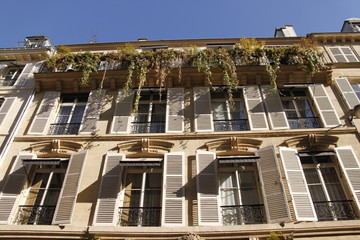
point(334, 210)
point(243, 214)
point(64, 128)
point(5, 82)
point(148, 127)
point(35, 215)
point(231, 125)
point(137, 216)
point(300, 123)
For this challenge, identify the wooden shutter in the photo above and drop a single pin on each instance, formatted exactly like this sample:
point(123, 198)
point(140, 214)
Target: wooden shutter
point(5, 108)
point(106, 211)
point(350, 166)
point(175, 110)
point(207, 188)
point(303, 206)
point(122, 114)
point(326, 109)
point(12, 188)
point(28, 73)
point(47, 106)
point(255, 108)
point(173, 202)
point(68, 194)
point(202, 110)
point(92, 112)
point(274, 108)
point(276, 205)
point(347, 92)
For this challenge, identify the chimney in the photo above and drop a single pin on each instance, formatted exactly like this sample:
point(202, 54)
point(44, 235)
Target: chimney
point(351, 25)
point(286, 31)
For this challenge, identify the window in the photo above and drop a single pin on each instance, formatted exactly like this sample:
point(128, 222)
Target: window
point(329, 199)
point(343, 54)
point(297, 108)
point(228, 117)
point(141, 197)
point(10, 76)
point(70, 114)
point(151, 114)
point(1, 101)
point(356, 88)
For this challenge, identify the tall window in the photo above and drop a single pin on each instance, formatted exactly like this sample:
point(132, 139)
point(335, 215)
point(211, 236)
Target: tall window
point(151, 114)
point(70, 114)
point(1, 101)
point(10, 76)
point(141, 197)
point(343, 54)
point(228, 117)
point(298, 109)
point(326, 190)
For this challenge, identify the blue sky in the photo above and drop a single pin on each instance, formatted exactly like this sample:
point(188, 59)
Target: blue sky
point(74, 21)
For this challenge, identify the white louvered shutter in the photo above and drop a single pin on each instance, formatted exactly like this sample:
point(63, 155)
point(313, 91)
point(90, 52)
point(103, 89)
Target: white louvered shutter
point(122, 113)
point(92, 112)
point(276, 205)
point(303, 205)
point(347, 92)
point(274, 107)
point(207, 189)
point(175, 110)
point(202, 110)
point(28, 73)
point(106, 211)
point(12, 188)
point(327, 111)
point(255, 108)
point(5, 108)
point(42, 117)
point(350, 166)
point(67, 199)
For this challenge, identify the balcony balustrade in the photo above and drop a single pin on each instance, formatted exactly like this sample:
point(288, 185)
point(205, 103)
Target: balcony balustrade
point(139, 216)
point(148, 127)
point(35, 215)
point(334, 210)
point(64, 128)
point(231, 125)
point(243, 214)
point(301, 123)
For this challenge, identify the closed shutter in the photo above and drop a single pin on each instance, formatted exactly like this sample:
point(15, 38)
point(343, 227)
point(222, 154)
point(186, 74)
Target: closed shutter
point(347, 92)
point(43, 114)
point(12, 188)
point(106, 211)
point(202, 110)
point(5, 108)
point(255, 108)
point(26, 74)
point(326, 109)
point(122, 114)
point(350, 166)
point(68, 195)
point(274, 108)
point(276, 205)
point(173, 203)
point(92, 112)
point(207, 188)
point(175, 110)
point(303, 206)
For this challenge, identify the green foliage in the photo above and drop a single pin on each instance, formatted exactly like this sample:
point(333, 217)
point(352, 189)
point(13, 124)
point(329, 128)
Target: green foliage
point(279, 236)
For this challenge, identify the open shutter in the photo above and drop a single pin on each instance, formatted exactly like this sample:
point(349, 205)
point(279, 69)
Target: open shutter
point(274, 108)
point(255, 108)
point(347, 92)
point(107, 203)
point(173, 203)
point(175, 110)
point(202, 110)
point(68, 195)
point(350, 166)
point(326, 109)
point(92, 112)
point(276, 204)
point(122, 114)
point(303, 206)
point(43, 113)
point(5, 108)
point(12, 188)
point(28, 73)
point(207, 188)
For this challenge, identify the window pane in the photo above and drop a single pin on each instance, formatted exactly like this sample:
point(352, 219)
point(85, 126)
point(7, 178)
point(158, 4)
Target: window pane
point(152, 198)
point(248, 188)
point(219, 111)
point(153, 181)
point(311, 176)
point(228, 190)
point(133, 180)
point(317, 193)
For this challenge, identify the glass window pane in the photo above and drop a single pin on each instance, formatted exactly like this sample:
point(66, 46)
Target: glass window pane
point(133, 180)
point(317, 193)
point(311, 176)
point(152, 198)
point(153, 181)
point(51, 197)
point(248, 188)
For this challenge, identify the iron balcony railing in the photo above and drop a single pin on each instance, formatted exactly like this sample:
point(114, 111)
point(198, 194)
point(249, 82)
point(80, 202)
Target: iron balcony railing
point(231, 125)
point(147, 127)
point(35, 215)
point(139, 216)
point(64, 128)
point(5, 82)
point(300, 123)
point(334, 210)
point(243, 214)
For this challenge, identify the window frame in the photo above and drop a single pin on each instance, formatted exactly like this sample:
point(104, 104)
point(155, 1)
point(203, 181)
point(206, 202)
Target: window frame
point(342, 54)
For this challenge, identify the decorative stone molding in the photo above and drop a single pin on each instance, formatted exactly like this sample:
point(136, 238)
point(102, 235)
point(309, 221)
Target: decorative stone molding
point(145, 148)
point(234, 146)
point(312, 142)
point(55, 148)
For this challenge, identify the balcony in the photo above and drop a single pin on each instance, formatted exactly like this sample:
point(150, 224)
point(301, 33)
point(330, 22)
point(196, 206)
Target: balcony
point(137, 216)
point(147, 127)
point(35, 215)
point(301, 123)
point(231, 125)
point(243, 214)
point(334, 210)
point(64, 128)
point(5, 82)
